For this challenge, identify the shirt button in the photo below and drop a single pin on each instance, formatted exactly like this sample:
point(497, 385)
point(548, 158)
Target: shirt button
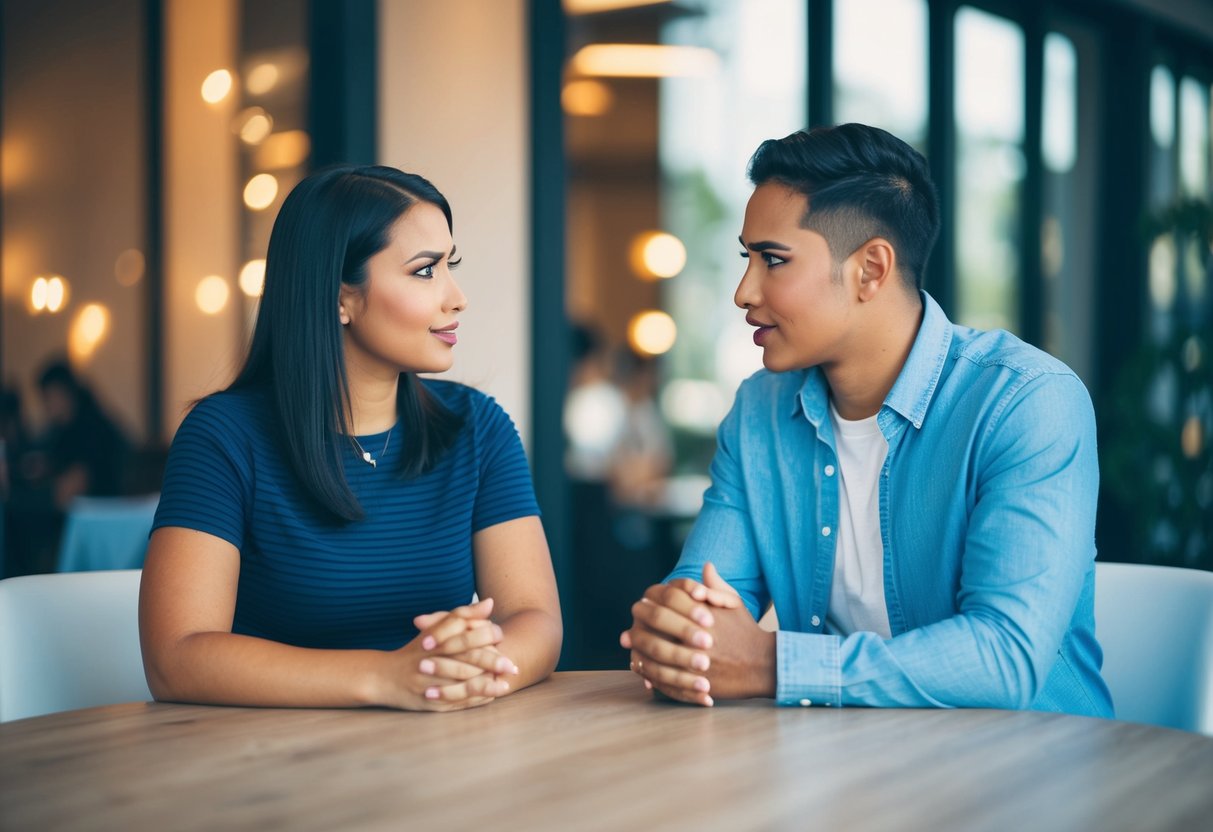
point(829, 470)
point(825, 531)
point(815, 621)
point(806, 703)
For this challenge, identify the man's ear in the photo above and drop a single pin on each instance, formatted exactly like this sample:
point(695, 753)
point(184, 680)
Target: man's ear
point(877, 262)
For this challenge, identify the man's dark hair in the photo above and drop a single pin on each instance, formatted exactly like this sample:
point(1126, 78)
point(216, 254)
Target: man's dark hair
point(860, 182)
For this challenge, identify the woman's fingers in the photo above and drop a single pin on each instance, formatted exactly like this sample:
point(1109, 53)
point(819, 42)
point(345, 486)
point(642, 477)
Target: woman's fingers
point(470, 663)
point(482, 685)
point(457, 634)
point(439, 670)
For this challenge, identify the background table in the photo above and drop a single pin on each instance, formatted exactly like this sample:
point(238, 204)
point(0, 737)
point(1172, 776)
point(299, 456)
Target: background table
point(106, 533)
point(593, 751)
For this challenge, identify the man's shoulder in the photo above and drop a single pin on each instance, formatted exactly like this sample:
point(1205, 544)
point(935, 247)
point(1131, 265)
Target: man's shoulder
point(998, 349)
point(769, 387)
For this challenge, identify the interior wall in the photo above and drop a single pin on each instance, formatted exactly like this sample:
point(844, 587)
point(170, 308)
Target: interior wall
point(73, 192)
point(453, 106)
point(202, 198)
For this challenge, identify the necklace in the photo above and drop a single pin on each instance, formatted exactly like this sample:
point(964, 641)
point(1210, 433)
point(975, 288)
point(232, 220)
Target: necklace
point(366, 455)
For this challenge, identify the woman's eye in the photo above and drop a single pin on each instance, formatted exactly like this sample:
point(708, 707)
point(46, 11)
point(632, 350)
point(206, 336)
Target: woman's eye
point(425, 271)
point(771, 259)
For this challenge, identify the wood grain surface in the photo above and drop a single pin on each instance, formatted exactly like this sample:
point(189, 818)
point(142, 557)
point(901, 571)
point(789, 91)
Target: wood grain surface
point(593, 751)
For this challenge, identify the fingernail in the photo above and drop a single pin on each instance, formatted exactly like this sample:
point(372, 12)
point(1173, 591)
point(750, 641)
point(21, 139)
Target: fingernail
point(432, 693)
point(703, 685)
point(625, 640)
point(700, 662)
point(497, 632)
point(514, 669)
point(703, 618)
point(648, 685)
point(427, 666)
point(503, 665)
point(699, 593)
point(505, 686)
point(707, 700)
point(701, 639)
point(429, 643)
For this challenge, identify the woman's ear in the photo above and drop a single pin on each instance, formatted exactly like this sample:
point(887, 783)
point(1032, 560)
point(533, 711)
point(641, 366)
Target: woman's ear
point(345, 305)
point(878, 264)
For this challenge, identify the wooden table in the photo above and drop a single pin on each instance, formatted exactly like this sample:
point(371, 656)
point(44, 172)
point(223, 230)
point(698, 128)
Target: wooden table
point(593, 751)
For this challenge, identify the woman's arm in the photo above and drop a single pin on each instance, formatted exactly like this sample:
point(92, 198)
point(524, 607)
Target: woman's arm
point(514, 568)
point(186, 606)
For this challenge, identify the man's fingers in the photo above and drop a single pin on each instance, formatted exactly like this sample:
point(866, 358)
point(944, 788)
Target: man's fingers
point(666, 652)
point(720, 591)
point(689, 697)
point(664, 620)
point(676, 599)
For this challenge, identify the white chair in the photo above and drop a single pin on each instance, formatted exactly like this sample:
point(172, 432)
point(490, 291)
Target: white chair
point(1155, 624)
point(69, 641)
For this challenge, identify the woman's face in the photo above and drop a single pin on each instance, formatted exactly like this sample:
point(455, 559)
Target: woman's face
point(404, 317)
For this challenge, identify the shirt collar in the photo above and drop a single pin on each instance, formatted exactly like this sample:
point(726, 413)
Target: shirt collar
point(915, 385)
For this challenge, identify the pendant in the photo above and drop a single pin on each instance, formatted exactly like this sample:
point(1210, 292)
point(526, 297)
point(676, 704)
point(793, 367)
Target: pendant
point(366, 456)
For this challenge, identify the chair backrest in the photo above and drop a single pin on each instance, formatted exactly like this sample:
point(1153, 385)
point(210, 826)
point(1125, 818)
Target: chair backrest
point(1155, 624)
point(69, 641)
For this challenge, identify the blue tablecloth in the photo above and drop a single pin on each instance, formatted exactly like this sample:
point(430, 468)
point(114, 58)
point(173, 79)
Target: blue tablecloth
point(106, 533)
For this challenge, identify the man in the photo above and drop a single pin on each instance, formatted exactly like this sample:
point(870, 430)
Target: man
point(916, 499)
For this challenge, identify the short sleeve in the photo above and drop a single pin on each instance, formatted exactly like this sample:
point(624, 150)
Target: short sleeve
point(206, 480)
point(506, 491)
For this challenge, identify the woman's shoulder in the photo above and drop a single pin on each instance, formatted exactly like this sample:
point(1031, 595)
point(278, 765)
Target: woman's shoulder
point(463, 399)
point(230, 414)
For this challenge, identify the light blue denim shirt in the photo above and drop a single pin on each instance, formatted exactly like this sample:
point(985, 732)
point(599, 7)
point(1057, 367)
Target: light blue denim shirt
point(987, 516)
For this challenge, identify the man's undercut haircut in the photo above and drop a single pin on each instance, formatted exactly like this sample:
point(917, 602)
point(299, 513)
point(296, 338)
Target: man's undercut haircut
point(860, 182)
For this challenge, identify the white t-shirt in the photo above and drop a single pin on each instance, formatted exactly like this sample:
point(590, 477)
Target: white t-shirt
point(857, 594)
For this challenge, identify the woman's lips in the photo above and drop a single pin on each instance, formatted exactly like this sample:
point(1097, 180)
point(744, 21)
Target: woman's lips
point(447, 334)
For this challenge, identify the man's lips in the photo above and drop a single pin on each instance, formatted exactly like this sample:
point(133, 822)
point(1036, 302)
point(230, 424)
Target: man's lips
point(763, 330)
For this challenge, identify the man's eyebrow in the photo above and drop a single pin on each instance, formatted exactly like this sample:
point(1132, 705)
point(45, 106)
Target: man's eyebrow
point(764, 245)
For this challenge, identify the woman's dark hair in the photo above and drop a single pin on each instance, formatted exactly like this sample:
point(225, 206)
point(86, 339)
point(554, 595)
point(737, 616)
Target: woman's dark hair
point(329, 226)
point(861, 182)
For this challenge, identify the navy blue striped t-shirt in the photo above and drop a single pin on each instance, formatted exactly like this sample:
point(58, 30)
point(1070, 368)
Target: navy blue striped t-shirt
point(309, 581)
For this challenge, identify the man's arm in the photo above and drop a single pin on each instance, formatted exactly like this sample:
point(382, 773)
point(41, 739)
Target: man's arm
point(1028, 548)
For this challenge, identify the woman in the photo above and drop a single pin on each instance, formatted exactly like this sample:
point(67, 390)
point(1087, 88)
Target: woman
point(325, 520)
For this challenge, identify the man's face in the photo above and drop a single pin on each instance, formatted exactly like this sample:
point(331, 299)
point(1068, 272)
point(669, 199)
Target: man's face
point(791, 290)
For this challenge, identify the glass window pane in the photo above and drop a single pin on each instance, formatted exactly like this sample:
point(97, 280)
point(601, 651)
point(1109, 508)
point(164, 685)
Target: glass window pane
point(710, 125)
point(880, 66)
point(1070, 179)
point(1162, 136)
point(664, 104)
point(1193, 137)
point(989, 145)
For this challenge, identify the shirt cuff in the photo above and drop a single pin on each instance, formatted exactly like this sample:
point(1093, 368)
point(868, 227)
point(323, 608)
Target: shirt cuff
point(807, 669)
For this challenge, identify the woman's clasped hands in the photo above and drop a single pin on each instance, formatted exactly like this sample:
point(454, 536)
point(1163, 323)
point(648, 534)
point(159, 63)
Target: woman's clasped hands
point(452, 664)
